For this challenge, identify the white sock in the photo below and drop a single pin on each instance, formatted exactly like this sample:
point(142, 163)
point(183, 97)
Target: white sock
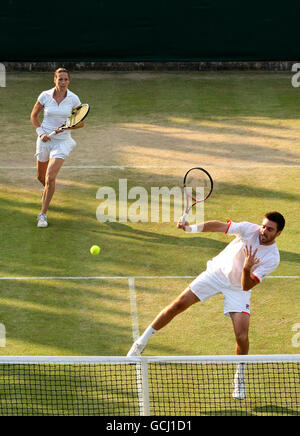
point(146, 335)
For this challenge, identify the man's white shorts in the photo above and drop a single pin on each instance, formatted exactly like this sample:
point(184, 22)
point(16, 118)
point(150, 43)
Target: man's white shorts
point(208, 284)
point(54, 149)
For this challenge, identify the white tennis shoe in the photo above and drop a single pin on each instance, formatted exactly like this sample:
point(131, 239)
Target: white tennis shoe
point(136, 350)
point(42, 220)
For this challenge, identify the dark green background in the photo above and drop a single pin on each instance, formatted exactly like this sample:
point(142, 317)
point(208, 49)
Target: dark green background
point(153, 30)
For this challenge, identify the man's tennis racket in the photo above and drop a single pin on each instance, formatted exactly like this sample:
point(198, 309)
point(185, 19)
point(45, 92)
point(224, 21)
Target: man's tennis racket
point(198, 186)
point(77, 116)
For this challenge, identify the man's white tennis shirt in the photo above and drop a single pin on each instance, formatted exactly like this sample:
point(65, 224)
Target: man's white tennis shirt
point(229, 263)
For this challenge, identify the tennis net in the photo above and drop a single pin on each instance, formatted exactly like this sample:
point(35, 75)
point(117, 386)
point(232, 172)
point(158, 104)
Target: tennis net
point(160, 386)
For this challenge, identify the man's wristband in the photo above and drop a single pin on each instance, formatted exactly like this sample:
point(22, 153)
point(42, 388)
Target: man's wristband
point(194, 228)
point(39, 131)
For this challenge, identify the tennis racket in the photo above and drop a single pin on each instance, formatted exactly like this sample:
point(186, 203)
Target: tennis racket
point(77, 116)
point(198, 186)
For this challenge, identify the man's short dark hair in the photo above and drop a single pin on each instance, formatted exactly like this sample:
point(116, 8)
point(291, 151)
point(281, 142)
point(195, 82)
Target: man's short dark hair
point(277, 218)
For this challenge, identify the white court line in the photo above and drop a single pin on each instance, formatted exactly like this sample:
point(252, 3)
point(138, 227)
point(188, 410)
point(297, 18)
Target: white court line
point(122, 277)
point(123, 167)
point(133, 309)
point(96, 277)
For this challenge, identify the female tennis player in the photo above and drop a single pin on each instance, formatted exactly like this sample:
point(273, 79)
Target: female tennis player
point(243, 264)
point(57, 104)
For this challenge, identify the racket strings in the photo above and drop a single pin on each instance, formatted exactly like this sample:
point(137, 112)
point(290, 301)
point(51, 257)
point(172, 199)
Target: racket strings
point(77, 116)
point(197, 187)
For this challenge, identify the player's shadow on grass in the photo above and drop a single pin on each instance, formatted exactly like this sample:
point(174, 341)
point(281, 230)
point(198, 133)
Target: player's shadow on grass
point(268, 410)
point(274, 410)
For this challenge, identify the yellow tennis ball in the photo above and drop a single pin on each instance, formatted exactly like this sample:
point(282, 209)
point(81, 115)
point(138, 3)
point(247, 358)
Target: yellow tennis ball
point(95, 249)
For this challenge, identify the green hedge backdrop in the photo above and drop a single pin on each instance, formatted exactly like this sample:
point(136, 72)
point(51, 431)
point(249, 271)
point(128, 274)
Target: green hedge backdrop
point(149, 30)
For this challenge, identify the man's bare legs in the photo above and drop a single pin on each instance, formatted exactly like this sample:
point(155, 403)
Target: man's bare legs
point(186, 299)
point(241, 323)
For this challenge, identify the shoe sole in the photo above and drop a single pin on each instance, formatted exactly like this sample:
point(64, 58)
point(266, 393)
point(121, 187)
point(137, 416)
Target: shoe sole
point(42, 226)
point(239, 398)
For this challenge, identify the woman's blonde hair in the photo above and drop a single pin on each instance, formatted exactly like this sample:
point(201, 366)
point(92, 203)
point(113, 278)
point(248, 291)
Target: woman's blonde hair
point(61, 70)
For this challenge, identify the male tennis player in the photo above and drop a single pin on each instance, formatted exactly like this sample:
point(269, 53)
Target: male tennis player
point(57, 103)
point(243, 264)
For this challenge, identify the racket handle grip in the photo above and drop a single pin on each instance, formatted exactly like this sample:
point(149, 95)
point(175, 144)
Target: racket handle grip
point(52, 133)
point(183, 218)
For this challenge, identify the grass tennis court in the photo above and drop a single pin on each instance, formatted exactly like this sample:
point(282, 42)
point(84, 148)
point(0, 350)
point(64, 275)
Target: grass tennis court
point(148, 128)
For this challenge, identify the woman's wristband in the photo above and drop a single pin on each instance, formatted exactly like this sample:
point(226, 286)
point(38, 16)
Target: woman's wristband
point(39, 131)
point(194, 228)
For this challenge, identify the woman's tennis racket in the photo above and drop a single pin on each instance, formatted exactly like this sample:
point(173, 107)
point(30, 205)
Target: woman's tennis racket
point(198, 186)
point(77, 116)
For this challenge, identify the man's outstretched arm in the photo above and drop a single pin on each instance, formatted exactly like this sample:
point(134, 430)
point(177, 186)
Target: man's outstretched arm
point(207, 226)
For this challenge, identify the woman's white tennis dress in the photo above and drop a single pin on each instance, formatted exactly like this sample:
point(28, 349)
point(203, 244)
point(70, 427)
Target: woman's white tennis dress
point(55, 115)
